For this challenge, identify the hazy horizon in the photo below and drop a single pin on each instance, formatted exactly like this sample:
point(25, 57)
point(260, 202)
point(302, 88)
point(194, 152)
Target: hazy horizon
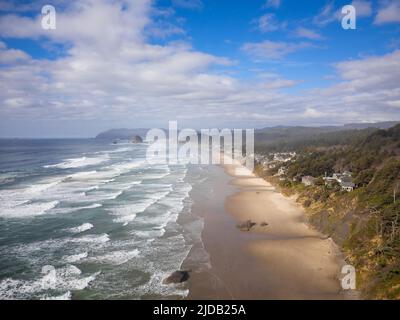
point(166, 128)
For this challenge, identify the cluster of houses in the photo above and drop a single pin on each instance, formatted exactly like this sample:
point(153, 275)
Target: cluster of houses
point(283, 156)
point(344, 179)
point(274, 160)
point(278, 159)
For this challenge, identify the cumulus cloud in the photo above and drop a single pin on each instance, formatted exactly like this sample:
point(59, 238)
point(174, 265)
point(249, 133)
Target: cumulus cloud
point(368, 90)
point(8, 56)
point(108, 66)
point(389, 13)
point(111, 75)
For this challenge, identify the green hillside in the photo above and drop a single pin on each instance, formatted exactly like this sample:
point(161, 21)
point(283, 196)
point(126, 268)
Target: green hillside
point(365, 221)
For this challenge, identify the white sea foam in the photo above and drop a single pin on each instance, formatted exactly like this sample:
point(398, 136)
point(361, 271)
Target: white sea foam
point(79, 162)
point(40, 187)
point(124, 167)
point(91, 206)
point(118, 150)
point(66, 210)
point(117, 257)
point(149, 234)
point(39, 198)
point(162, 258)
point(83, 227)
point(127, 213)
point(63, 279)
point(95, 187)
point(39, 252)
point(28, 209)
point(101, 195)
point(13, 197)
point(161, 200)
point(151, 176)
point(65, 296)
point(85, 175)
point(92, 238)
point(107, 174)
point(75, 257)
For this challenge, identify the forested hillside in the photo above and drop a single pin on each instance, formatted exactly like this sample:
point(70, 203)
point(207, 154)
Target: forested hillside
point(365, 221)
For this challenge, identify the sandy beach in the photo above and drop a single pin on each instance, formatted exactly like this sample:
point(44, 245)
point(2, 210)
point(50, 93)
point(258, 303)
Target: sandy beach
point(285, 259)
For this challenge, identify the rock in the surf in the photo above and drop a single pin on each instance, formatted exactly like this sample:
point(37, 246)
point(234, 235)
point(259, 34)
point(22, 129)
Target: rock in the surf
point(177, 277)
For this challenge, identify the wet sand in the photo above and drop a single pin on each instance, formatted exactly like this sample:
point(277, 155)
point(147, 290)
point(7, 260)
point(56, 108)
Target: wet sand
point(284, 260)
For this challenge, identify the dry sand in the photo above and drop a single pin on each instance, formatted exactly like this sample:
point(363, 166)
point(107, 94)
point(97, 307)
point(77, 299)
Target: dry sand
point(286, 259)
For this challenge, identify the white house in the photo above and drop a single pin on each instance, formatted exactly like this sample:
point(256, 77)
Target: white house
point(282, 171)
point(347, 186)
point(307, 180)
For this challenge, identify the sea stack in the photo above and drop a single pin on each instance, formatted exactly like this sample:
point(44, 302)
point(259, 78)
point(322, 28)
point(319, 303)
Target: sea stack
point(137, 139)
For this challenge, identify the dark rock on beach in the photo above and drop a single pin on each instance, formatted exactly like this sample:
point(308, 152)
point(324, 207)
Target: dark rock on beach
point(246, 226)
point(177, 277)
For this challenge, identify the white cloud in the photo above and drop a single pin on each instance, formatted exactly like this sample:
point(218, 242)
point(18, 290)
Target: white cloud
point(302, 32)
point(312, 113)
point(327, 14)
point(366, 88)
point(363, 8)
point(272, 49)
point(389, 13)
point(372, 73)
point(330, 13)
point(268, 23)
point(112, 76)
point(11, 55)
point(79, 24)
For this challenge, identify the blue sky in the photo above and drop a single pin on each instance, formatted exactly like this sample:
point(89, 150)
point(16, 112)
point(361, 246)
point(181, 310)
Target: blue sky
point(221, 27)
point(140, 63)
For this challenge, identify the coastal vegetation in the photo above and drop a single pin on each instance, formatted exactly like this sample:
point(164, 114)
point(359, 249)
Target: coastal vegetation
point(364, 222)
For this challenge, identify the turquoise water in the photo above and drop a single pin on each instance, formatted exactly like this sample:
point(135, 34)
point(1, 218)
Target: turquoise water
point(86, 219)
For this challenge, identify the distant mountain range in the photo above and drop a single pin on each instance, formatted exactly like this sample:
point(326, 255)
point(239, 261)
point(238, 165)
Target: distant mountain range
point(378, 125)
point(264, 133)
point(284, 138)
point(350, 126)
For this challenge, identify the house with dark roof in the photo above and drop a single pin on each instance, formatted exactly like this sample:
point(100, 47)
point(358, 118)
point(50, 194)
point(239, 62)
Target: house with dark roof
point(347, 186)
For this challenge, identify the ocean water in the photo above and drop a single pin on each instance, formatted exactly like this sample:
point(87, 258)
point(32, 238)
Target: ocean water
point(86, 219)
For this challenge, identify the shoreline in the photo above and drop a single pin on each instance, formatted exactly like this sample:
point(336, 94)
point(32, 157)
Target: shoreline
point(285, 259)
